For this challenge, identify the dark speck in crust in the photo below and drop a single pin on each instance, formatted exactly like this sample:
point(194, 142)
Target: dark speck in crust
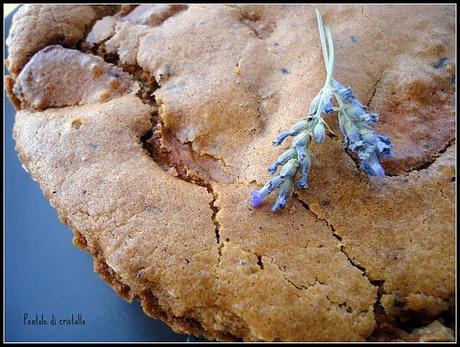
point(440, 63)
point(285, 71)
point(94, 145)
point(353, 39)
point(113, 73)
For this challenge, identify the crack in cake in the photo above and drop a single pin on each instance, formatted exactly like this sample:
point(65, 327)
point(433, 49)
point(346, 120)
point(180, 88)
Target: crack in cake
point(147, 127)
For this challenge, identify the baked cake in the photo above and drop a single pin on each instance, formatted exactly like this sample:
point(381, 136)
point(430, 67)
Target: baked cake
point(148, 126)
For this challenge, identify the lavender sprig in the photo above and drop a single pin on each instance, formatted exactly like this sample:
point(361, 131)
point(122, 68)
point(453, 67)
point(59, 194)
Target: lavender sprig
point(359, 136)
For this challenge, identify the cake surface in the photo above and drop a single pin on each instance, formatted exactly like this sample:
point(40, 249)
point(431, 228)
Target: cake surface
point(147, 128)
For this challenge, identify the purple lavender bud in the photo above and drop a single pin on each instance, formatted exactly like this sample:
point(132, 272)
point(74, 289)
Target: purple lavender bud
point(285, 192)
point(372, 166)
point(300, 126)
point(304, 167)
point(301, 152)
point(355, 112)
point(385, 139)
point(359, 114)
point(257, 196)
point(369, 136)
point(380, 142)
point(281, 137)
point(289, 169)
point(349, 129)
point(384, 146)
point(371, 117)
point(361, 148)
point(347, 94)
point(300, 143)
point(352, 100)
point(362, 139)
point(318, 132)
point(283, 159)
point(296, 129)
point(327, 108)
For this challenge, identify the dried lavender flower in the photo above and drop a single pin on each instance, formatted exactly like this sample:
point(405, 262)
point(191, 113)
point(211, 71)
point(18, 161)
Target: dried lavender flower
point(359, 136)
point(283, 159)
point(319, 132)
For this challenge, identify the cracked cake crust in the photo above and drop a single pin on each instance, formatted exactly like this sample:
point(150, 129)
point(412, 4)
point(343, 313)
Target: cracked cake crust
point(154, 178)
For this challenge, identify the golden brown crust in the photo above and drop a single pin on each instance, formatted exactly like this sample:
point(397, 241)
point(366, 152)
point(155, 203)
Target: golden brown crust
point(411, 218)
point(349, 257)
point(151, 14)
point(36, 26)
point(58, 77)
point(293, 263)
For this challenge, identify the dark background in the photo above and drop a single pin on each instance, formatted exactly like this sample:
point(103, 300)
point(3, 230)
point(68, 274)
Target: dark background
point(45, 274)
